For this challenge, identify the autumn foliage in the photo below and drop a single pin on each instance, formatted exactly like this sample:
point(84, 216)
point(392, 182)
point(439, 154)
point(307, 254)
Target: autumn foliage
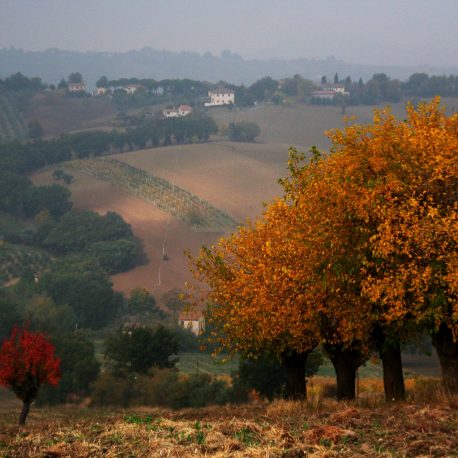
point(27, 361)
point(360, 254)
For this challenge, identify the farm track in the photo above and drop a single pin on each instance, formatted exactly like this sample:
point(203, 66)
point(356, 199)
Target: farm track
point(197, 213)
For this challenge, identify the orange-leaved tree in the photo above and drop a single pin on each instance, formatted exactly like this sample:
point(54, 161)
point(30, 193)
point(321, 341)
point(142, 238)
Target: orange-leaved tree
point(413, 272)
point(360, 251)
point(27, 361)
point(330, 233)
point(256, 302)
point(388, 193)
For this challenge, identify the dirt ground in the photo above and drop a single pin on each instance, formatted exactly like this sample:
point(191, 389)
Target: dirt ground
point(153, 226)
point(234, 177)
point(222, 173)
point(314, 428)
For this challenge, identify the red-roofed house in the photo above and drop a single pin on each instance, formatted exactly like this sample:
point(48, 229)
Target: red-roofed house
point(184, 110)
point(193, 320)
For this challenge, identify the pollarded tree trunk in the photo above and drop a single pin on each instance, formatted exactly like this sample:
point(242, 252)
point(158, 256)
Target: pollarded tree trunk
point(345, 361)
point(393, 378)
point(447, 351)
point(25, 411)
point(295, 368)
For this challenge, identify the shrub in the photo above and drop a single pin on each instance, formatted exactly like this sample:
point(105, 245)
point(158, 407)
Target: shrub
point(164, 387)
point(243, 131)
point(267, 376)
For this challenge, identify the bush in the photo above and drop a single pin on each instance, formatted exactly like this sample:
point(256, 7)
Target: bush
point(164, 387)
point(139, 349)
point(79, 369)
point(116, 256)
point(79, 230)
point(267, 376)
point(243, 131)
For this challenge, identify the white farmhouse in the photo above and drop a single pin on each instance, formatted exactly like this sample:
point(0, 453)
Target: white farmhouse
point(77, 87)
point(328, 91)
point(100, 91)
point(219, 97)
point(192, 320)
point(170, 113)
point(180, 112)
point(131, 89)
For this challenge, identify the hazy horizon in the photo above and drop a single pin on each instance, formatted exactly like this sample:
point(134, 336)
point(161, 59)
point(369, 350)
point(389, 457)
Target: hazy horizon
point(397, 32)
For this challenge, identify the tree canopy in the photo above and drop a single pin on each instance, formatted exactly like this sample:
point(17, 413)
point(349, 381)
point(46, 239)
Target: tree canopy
point(362, 245)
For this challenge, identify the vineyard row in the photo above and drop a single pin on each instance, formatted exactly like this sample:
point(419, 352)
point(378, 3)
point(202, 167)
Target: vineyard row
point(192, 210)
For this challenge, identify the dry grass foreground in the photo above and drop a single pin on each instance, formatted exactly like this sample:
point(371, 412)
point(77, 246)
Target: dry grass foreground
point(315, 428)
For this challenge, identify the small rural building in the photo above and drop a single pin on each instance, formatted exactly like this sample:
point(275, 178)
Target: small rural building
point(184, 110)
point(170, 113)
point(328, 91)
point(100, 91)
point(131, 89)
point(77, 87)
point(181, 111)
point(192, 320)
point(219, 97)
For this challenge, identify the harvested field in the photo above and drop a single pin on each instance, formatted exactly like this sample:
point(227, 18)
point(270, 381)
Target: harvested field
point(149, 224)
point(58, 114)
point(303, 125)
point(186, 207)
point(233, 177)
point(219, 173)
point(314, 428)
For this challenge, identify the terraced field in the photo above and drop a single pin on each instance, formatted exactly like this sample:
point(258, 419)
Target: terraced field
point(14, 259)
point(12, 123)
point(183, 205)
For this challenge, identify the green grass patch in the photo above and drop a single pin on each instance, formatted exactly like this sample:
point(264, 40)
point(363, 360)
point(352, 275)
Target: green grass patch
point(193, 363)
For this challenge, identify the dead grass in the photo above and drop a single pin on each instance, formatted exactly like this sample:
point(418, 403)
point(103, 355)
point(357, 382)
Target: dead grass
point(317, 427)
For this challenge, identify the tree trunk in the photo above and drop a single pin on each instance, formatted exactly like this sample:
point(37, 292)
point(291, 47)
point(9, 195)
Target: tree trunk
point(447, 351)
point(24, 412)
point(295, 367)
point(345, 362)
point(393, 378)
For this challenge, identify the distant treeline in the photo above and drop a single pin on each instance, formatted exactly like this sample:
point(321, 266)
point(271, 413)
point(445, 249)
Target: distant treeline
point(378, 89)
point(23, 158)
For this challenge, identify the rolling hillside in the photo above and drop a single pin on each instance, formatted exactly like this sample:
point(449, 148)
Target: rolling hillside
point(235, 178)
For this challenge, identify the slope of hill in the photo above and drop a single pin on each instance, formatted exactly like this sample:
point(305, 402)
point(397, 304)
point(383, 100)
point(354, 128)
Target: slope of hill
point(233, 177)
point(58, 114)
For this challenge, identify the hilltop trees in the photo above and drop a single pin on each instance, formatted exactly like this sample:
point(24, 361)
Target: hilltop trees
point(360, 254)
point(242, 131)
point(138, 349)
point(27, 361)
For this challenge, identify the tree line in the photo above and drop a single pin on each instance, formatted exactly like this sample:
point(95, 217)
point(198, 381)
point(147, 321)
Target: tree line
point(358, 257)
point(26, 157)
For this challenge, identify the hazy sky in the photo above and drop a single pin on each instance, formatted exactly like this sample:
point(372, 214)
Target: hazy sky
point(386, 32)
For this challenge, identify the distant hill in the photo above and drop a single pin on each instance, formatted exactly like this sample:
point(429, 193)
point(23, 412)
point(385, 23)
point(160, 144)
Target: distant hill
point(54, 64)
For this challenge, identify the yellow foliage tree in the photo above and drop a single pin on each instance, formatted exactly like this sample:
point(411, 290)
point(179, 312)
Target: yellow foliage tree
point(362, 248)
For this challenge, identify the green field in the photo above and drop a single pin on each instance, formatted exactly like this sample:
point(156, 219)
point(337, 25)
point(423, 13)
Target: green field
point(193, 363)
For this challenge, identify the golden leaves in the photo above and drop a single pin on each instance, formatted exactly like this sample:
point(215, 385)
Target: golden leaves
point(368, 234)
